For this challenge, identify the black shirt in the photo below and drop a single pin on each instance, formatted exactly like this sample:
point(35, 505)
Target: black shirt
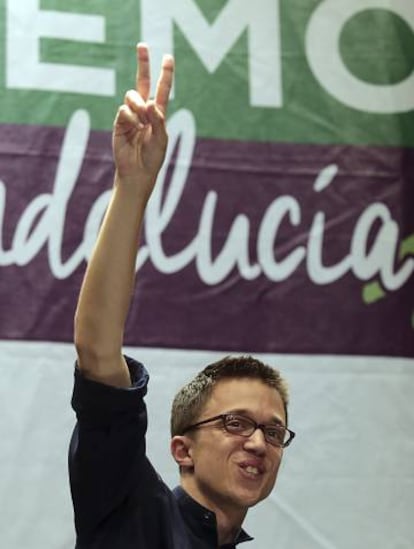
point(120, 501)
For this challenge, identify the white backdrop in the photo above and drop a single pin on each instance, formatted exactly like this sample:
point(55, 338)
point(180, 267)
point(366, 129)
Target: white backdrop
point(347, 482)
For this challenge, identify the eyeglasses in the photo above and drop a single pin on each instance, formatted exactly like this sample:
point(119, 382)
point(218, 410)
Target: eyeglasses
point(235, 424)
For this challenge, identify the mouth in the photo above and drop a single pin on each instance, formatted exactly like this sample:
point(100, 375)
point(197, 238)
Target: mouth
point(251, 471)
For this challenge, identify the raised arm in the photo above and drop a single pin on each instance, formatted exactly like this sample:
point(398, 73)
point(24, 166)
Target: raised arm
point(139, 145)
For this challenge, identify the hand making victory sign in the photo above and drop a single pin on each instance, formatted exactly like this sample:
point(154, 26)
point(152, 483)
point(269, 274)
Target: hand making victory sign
point(139, 144)
point(139, 135)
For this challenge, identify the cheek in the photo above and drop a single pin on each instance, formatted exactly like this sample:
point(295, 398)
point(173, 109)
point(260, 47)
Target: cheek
point(275, 466)
point(215, 450)
point(220, 455)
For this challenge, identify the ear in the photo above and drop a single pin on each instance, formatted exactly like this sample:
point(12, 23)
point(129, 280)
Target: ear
point(181, 450)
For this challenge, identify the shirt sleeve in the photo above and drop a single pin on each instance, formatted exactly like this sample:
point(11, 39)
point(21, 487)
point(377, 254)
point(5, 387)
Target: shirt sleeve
point(102, 404)
point(107, 450)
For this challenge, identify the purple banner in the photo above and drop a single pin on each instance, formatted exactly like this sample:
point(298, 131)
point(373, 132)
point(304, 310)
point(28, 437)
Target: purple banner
point(258, 247)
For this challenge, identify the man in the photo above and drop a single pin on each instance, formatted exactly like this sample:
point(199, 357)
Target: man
point(228, 425)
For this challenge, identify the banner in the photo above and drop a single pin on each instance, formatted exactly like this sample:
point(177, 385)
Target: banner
point(283, 220)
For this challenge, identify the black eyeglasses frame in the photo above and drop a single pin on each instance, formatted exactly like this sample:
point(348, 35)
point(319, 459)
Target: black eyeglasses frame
point(225, 417)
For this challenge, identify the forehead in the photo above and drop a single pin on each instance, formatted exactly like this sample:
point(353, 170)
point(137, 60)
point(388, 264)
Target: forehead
point(250, 396)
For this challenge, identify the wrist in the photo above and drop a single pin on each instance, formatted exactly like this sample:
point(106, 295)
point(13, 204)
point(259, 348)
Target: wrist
point(140, 185)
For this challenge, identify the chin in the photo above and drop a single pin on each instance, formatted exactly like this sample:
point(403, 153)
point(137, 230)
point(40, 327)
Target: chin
point(249, 499)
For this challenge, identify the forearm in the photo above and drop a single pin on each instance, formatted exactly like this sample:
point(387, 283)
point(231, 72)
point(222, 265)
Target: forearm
point(108, 284)
point(139, 141)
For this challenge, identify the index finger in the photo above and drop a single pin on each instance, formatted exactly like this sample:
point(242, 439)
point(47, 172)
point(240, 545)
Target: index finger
point(164, 83)
point(143, 78)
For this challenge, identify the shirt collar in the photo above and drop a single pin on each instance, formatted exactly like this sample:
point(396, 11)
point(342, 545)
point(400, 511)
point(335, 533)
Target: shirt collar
point(201, 520)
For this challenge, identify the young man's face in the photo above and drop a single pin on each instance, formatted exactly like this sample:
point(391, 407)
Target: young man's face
point(232, 472)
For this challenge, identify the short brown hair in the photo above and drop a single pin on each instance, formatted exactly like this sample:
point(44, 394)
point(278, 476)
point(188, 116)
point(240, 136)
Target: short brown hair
point(191, 399)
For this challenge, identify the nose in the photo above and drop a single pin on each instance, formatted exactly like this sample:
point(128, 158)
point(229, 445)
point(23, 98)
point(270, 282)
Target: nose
point(256, 442)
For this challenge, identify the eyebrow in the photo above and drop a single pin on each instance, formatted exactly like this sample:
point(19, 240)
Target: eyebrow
point(243, 412)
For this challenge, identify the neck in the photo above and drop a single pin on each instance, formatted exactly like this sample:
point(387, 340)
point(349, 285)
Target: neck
point(227, 527)
point(229, 518)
